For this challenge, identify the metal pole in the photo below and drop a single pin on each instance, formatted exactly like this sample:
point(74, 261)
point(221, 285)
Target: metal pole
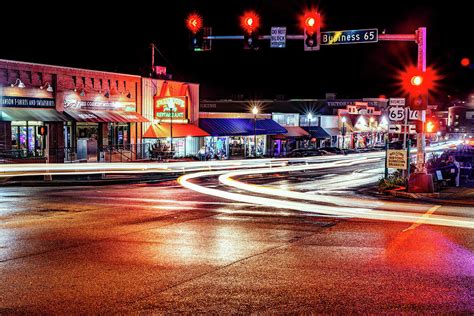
point(420, 137)
point(386, 158)
point(343, 133)
point(255, 134)
point(171, 132)
point(152, 58)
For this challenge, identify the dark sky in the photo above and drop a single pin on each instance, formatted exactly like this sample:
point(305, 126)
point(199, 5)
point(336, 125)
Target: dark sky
point(115, 37)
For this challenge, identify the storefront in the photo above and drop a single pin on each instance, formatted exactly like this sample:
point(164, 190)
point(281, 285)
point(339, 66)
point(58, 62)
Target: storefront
point(240, 137)
point(29, 124)
point(172, 109)
point(99, 129)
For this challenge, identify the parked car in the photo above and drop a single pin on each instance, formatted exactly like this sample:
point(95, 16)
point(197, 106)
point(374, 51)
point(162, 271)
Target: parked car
point(333, 150)
point(304, 152)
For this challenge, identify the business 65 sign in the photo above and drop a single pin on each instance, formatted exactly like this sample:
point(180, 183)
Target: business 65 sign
point(170, 107)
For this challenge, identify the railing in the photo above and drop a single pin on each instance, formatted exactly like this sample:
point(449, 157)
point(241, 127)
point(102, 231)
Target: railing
point(124, 153)
point(22, 155)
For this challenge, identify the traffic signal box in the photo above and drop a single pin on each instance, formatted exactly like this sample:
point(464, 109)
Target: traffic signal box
point(312, 31)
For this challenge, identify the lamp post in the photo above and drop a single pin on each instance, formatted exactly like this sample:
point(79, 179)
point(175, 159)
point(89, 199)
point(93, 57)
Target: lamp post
point(310, 117)
point(343, 132)
point(255, 112)
point(171, 132)
point(371, 125)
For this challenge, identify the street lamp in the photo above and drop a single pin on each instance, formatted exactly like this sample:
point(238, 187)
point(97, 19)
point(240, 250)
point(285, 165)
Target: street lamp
point(310, 117)
point(255, 112)
point(343, 132)
point(371, 124)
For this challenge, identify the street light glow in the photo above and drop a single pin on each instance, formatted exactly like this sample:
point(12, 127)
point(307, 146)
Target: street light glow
point(255, 110)
point(343, 119)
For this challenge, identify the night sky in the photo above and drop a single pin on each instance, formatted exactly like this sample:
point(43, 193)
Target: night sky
point(116, 37)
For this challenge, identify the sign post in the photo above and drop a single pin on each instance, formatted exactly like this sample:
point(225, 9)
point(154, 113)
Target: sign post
point(397, 159)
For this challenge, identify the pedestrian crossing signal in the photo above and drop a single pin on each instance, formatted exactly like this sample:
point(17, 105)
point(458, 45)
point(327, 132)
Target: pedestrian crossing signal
point(43, 130)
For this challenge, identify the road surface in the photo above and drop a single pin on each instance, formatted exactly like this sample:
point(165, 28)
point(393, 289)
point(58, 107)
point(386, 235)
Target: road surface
point(157, 248)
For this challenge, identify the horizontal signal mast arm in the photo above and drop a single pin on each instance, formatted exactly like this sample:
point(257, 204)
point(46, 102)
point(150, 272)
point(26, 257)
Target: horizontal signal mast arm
point(398, 37)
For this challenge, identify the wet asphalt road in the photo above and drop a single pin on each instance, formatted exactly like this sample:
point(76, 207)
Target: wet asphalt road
point(162, 248)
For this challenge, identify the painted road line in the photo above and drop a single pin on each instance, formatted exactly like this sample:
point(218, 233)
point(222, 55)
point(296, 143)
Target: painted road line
point(423, 218)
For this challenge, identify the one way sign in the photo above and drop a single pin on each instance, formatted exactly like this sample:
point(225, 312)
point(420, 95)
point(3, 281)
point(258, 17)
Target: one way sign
point(396, 128)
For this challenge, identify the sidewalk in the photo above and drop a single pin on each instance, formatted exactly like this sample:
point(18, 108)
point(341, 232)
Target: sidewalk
point(451, 195)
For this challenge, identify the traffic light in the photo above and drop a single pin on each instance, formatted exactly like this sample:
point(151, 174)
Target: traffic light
point(42, 130)
point(195, 25)
point(312, 31)
point(250, 22)
point(418, 97)
point(251, 41)
point(419, 101)
point(431, 126)
point(197, 41)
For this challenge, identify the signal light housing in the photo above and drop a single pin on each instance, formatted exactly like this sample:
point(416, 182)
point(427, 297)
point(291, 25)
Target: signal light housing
point(312, 31)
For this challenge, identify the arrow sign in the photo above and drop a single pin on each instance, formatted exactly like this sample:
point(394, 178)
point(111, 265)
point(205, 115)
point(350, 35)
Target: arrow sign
point(411, 129)
point(396, 129)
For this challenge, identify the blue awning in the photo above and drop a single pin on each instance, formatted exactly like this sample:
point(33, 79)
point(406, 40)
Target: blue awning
point(240, 127)
point(319, 132)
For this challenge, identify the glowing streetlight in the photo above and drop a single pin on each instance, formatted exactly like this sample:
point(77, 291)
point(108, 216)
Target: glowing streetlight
point(255, 112)
point(343, 132)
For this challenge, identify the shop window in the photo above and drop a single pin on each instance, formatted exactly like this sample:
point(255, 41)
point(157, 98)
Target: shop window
point(25, 137)
point(119, 134)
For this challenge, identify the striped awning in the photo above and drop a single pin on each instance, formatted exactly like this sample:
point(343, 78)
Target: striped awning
point(106, 116)
point(41, 115)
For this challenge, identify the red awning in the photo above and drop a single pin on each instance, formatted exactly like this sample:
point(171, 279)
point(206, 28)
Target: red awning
point(293, 131)
point(106, 116)
point(163, 130)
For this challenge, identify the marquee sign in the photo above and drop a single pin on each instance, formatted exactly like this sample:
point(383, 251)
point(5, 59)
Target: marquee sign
point(77, 104)
point(170, 107)
point(26, 102)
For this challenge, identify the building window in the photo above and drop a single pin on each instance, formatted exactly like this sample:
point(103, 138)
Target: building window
point(119, 134)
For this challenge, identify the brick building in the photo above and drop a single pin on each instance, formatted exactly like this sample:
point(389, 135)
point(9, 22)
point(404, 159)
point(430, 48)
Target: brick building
point(85, 112)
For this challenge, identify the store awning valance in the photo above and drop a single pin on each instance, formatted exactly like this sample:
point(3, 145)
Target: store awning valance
point(319, 132)
point(293, 131)
point(42, 115)
point(106, 116)
point(163, 130)
point(333, 131)
point(240, 126)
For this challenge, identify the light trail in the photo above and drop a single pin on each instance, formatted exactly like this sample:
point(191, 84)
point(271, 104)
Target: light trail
point(340, 206)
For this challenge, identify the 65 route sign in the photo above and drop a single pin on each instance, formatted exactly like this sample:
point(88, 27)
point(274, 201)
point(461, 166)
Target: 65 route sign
point(396, 113)
point(350, 37)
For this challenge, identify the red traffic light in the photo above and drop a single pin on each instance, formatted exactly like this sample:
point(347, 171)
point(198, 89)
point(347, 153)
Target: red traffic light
point(311, 21)
point(250, 21)
point(413, 81)
point(416, 80)
point(430, 127)
point(194, 22)
point(465, 62)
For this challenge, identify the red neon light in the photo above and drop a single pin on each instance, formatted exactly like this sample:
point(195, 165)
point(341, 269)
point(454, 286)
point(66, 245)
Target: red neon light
point(250, 21)
point(194, 22)
point(465, 62)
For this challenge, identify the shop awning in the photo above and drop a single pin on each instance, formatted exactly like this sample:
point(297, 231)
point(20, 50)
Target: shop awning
point(293, 131)
point(332, 131)
point(106, 116)
point(163, 130)
point(42, 115)
point(319, 132)
point(240, 127)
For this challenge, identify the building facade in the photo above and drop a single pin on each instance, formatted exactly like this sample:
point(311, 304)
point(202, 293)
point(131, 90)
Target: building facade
point(87, 113)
